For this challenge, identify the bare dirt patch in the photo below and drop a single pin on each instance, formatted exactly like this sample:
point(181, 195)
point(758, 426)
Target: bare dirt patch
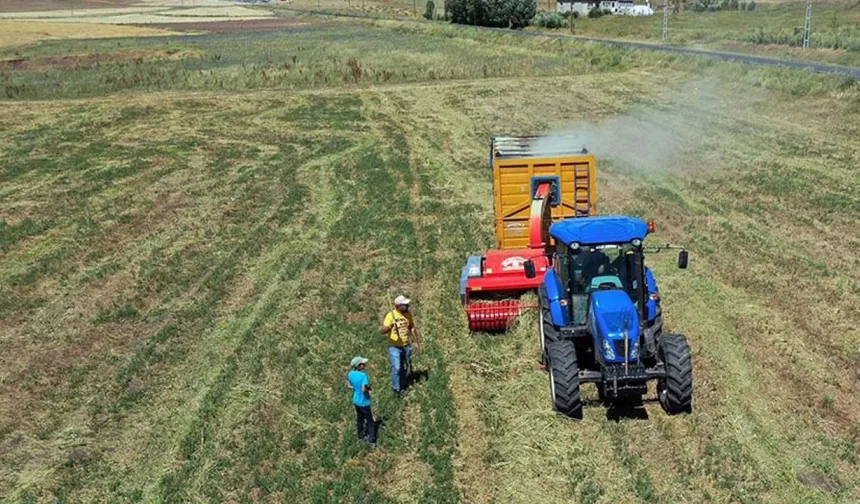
point(817, 480)
point(47, 5)
point(84, 61)
point(233, 26)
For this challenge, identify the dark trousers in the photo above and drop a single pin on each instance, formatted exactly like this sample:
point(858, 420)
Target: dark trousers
point(364, 423)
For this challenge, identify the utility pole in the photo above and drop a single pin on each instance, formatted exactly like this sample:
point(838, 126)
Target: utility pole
point(806, 24)
point(666, 21)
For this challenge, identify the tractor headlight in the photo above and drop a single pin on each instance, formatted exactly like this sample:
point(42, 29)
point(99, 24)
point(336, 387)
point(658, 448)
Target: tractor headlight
point(574, 246)
point(634, 350)
point(608, 351)
point(636, 242)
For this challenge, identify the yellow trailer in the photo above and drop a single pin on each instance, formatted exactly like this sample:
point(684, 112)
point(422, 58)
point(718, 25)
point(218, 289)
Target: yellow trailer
point(519, 164)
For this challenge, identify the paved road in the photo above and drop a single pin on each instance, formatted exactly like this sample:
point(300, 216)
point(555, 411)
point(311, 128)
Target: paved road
point(742, 58)
point(726, 56)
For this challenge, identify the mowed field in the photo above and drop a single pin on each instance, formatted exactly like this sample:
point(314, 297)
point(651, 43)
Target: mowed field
point(49, 5)
point(18, 33)
point(198, 233)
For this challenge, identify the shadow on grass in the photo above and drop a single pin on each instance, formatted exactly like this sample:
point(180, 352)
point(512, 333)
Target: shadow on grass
point(416, 377)
point(628, 409)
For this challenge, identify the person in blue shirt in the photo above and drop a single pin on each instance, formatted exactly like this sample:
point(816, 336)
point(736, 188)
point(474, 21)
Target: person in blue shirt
point(359, 383)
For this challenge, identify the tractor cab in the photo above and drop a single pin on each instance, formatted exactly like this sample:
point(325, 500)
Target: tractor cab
point(593, 269)
point(588, 259)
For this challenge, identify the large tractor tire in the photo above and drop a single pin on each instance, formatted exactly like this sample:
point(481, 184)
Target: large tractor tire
point(675, 391)
point(564, 379)
point(548, 332)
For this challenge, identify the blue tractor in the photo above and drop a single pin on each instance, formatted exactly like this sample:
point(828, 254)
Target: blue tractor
point(600, 318)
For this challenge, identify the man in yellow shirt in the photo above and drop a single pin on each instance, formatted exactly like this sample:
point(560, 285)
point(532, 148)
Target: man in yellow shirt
point(400, 329)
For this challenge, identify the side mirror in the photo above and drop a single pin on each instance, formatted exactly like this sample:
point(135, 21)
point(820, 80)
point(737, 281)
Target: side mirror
point(529, 267)
point(683, 257)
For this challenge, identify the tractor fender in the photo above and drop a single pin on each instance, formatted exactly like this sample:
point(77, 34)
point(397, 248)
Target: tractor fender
point(652, 305)
point(557, 299)
point(655, 318)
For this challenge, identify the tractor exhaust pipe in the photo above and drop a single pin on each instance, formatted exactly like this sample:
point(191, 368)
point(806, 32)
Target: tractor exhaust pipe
point(626, 347)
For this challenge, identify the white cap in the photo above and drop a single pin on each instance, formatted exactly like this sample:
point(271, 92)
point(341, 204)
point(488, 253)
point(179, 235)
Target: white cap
point(401, 300)
point(356, 361)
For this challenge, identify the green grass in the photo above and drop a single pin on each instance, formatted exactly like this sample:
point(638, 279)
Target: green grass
point(187, 270)
point(342, 55)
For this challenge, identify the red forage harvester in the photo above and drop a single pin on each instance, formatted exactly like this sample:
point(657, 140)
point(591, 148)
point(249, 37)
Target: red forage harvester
point(536, 181)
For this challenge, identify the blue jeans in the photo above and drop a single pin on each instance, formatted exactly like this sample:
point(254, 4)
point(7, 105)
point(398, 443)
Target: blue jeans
point(398, 358)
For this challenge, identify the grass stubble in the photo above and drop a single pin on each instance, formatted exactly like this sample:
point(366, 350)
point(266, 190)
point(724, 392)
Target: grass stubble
point(185, 272)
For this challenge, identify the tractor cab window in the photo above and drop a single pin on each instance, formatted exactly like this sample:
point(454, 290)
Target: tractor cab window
point(604, 267)
point(562, 264)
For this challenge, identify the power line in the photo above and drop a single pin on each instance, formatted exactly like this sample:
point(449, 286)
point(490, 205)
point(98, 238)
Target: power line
point(666, 21)
point(806, 24)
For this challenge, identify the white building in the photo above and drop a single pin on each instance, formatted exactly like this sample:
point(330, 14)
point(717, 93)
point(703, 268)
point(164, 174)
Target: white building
point(584, 6)
point(581, 7)
point(616, 6)
point(640, 10)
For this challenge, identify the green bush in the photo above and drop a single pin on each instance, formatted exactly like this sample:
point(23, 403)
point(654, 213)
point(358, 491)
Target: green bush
point(548, 20)
point(595, 13)
point(846, 38)
point(497, 13)
point(430, 10)
point(718, 5)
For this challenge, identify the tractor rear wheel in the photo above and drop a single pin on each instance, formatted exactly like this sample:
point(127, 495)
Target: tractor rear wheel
point(548, 331)
point(675, 391)
point(564, 379)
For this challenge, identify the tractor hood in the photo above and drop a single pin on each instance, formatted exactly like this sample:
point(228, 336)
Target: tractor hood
point(612, 313)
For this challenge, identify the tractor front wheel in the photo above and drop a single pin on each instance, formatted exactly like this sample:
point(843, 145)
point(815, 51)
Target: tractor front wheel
point(675, 390)
point(548, 332)
point(564, 379)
